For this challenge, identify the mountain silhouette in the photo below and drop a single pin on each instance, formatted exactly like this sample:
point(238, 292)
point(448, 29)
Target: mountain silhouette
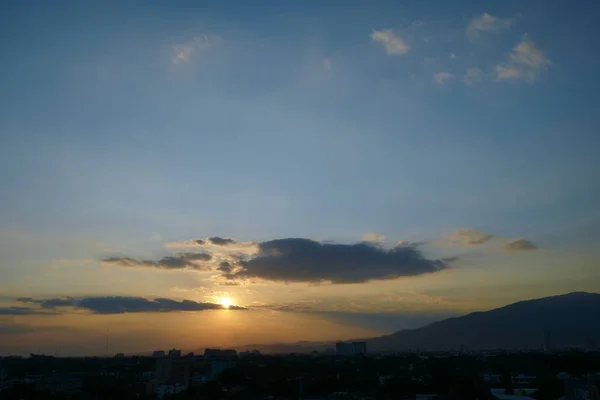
point(569, 319)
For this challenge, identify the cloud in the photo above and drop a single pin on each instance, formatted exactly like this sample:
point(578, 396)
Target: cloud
point(525, 62)
point(327, 64)
point(225, 267)
point(520, 245)
point(472, 76)
point(467, 237)
point(182, 53)
point(21, 311)
point(219, 241)
point(394, 44)
point(181, 261)
point(373, 238)
point(305, 260)
point(124, 304)
point(486, 23)
point(440, 78)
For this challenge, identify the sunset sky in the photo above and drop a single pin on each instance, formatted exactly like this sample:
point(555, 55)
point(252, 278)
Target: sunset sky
point(334, 169)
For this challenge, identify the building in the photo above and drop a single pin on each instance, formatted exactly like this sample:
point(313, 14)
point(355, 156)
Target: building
point(174, 353)
point(220, 360)
point(547, 342)
point(171, 371)
point(169, 389)
point(590, 344)
point(359, 348)
point(120, 355)
point(350, 349)
point(582, 388)
point(158, 354)
point(344, 349)
point(57, 384)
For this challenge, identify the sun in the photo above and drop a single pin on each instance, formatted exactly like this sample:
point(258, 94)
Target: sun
point(226, 302)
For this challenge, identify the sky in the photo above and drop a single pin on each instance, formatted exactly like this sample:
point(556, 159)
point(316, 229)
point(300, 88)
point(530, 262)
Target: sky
point(220, 173)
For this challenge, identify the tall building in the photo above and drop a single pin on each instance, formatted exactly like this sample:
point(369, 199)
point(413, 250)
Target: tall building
point(220, 360)
point(547, 341)
point(359, 348)
point(344, 349)
point(172, 371)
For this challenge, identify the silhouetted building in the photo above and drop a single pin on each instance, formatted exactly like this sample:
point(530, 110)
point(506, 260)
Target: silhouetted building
point(582, 388)
point(174, 353)
point(359, 348)
point(547, 342)
point(171, 371)
point(344, 349)
point(590, 344)
point(158, 354)
point(220, 360)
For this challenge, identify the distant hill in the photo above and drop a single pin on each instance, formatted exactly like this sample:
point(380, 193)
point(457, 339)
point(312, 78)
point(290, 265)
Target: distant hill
point(569, 318)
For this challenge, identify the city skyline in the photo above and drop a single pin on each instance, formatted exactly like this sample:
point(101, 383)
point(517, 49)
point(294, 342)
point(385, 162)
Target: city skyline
point(222, 174)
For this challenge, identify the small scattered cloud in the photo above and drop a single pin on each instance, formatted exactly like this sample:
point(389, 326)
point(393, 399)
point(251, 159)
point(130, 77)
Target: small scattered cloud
point(373, 238)
point(194, 261)
point(219, 241)
point(467, 237)
point(526, 62)
point(182, 53)
point(452, 56)
point(487, 23)
point(305, 260)
point(472, 76)
point(394, 44)
point(327, 64)
point(124, 304)
point(440, 78)
point(520, 245)
point(225, 267)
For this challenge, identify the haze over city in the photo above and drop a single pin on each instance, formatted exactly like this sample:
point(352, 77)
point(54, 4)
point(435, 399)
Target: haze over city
point(222, 173)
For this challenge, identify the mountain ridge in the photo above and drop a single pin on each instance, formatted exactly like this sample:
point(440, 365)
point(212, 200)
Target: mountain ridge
point(568, 318)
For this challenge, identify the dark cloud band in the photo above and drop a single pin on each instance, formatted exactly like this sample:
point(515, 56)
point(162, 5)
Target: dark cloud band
point(125, 304)
point(305, 260)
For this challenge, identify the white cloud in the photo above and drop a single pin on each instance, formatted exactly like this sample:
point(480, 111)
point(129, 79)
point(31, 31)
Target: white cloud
point(472, 76)
point(327, 64)
point(525, 62)
point(452, 56)
point(182, 53)
point(394, 44)
point(441, 77)
point(373, 238)
point(487, 23)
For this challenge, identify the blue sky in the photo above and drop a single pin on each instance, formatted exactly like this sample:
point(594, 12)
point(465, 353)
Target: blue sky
point(129, 128)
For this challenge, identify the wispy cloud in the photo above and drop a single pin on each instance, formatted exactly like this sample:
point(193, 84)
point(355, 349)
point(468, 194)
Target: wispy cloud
point(327, 64)
point(487, 23)
point(526, 62)
point(440, 78)
point(472, 76)
point(181, 261)
point(467, 237)
point(124, 304)
point(182, 53)
point(394, 44)
point(520, 245)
